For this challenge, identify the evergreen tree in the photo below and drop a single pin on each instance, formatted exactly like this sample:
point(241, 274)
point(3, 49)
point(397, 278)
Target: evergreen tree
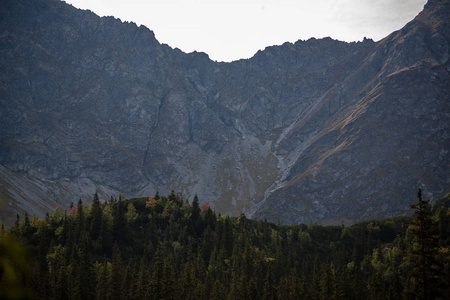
point(120, 222)
point(157, 283)
point(169, 288)
point(96, 218)
point(131, 214)
point(327, 283)
point(80, 221)
point(128, 280)
point(101, 288)
point(424, 276)
point(143, 281)
point(375, 284)
point(195, 209)
point(187, 285)
point(227, 237)
point(443, 220)
point(25, 228)
point(217, 291)
point(60, 288)
point(116, 277)
point(270, 292)
point(16, 229)
point(207, 244)
point(291, 287)
point(85, 272)
point(75, 286)
point(195, 217)
point(106, 239)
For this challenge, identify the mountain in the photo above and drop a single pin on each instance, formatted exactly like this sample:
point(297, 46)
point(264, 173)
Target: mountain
point(315, 131)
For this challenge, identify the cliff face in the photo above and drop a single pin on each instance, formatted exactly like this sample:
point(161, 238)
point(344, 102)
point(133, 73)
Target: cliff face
point(319, 130)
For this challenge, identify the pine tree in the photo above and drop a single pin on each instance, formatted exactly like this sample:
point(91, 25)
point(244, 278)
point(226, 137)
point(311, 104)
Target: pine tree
point(169, 287)
point(85, 272)
point(291, 287)
point(327, 283)
point(187, 281)
point(195, 216)
point(422, 282)
point(25, 228)
point(79, 229)
point(443, 220)
point(143, 281)
point(217, 291)
point(227, 237)
point(157, 281)
point(106, 239)
point(207, 244)
point(375, 284)
point(60, 288)
point(102, 282)
point(16, 229)
point(128, 279)
point(131, 214)
point(270, 292)
point(120, 222)
point(96, 218)
point(115, 278)
point(195, 208)
point(75, 287)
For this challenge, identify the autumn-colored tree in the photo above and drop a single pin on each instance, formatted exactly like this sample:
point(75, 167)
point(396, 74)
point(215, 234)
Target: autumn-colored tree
point(165, 212)
point(73, 211)
point(204, 207)
point(151, 203)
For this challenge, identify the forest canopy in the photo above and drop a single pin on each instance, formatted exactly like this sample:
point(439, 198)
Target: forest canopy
point(164, 247)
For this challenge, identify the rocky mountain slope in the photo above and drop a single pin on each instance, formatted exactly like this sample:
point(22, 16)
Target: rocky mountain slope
point(316, 131)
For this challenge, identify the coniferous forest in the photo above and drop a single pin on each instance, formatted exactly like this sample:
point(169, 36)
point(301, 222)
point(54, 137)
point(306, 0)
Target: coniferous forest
point(164, 247)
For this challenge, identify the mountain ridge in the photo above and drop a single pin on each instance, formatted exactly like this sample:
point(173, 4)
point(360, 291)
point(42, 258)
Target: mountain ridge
point(92, 103)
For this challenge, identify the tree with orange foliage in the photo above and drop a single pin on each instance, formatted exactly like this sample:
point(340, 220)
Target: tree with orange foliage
point(151, 203)
point(73, 211)
point(204, 207)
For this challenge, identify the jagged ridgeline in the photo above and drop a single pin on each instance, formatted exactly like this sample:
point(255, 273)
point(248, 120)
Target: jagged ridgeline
point(165, 248)
point(315, 131)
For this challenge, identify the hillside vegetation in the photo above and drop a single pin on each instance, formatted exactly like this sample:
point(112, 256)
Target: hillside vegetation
point(166, 248)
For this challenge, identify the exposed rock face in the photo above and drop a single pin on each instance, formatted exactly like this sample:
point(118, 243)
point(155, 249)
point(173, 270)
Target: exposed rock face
point(316, 131)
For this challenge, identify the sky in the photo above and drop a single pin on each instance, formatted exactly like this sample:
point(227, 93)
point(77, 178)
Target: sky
point(229, 30)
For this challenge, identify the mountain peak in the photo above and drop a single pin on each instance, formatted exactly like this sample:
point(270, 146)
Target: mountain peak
point(315, 131)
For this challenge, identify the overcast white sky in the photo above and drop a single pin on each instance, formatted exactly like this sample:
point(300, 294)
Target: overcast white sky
point(232, 29)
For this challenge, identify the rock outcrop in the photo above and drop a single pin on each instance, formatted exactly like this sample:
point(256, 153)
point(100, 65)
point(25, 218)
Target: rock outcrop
point(316, 131)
